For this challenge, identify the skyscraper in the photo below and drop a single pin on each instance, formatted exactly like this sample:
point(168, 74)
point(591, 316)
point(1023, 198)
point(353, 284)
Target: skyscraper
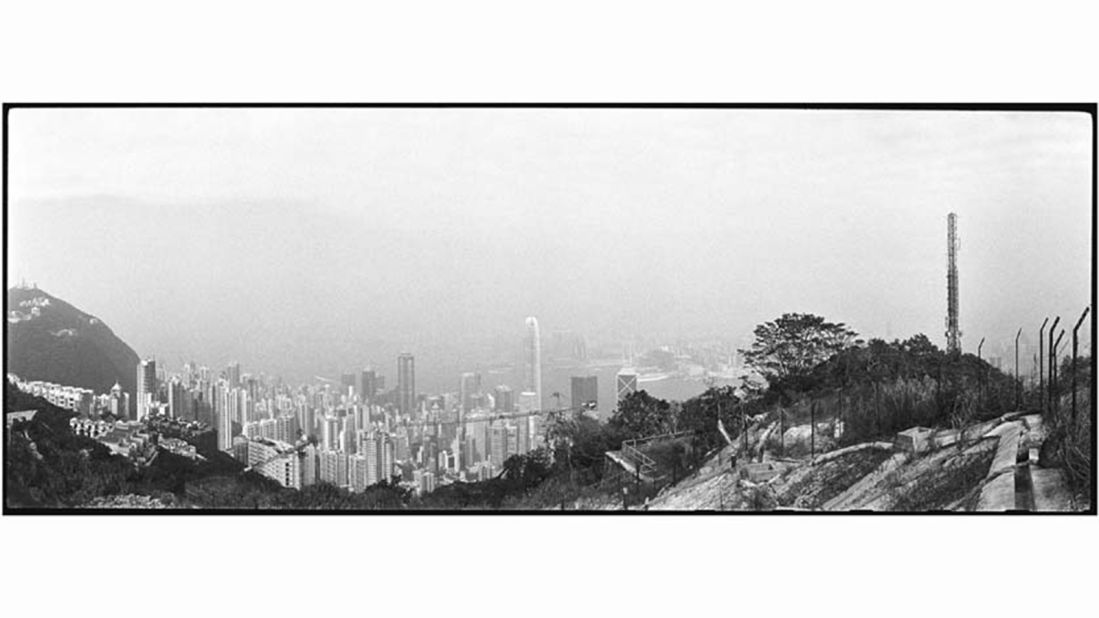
point(347, 383)
point(330, 433)
point(532, 378)
point(179, 400)
point(625, 383)
point(146, 387)
point(585, 391)
point(368, 385)
point(225, 422)
point(504, 399)
point(232, 373)
point(469, 386)
point(406, 383)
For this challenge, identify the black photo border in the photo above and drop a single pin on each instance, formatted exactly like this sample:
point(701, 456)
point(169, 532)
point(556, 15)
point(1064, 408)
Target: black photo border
point(1086, 108)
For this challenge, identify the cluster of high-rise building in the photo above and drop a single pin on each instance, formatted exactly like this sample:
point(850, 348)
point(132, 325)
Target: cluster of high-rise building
point(83, 401)
point(80, 400)
point(352, 433)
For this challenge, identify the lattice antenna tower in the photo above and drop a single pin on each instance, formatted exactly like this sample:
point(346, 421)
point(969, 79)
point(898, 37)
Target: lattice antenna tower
point(953, 333)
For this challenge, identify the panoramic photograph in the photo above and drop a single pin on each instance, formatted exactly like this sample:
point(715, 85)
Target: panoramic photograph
point(627, 309)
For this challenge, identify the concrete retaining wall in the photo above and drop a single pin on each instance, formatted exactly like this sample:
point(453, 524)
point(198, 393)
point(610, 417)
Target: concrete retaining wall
point(998, 492)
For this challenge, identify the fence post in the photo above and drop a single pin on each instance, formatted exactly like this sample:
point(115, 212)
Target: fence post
point(1041, 367)
point(1074, 340)
point(1049, 365)
point(1056, 373)
point(1018, 385)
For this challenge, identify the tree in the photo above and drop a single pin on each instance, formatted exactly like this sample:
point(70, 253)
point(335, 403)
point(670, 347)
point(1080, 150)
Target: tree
point(700, 414)
point(786, 350)
point(640, 414)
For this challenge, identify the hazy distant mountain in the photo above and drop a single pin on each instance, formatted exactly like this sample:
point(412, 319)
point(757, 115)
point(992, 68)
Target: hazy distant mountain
point(49, 339)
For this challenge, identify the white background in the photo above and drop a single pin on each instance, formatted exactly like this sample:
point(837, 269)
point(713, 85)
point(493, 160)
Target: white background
point(560, 51)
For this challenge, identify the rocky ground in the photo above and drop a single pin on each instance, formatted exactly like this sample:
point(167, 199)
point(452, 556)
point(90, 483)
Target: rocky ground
point(958, 471)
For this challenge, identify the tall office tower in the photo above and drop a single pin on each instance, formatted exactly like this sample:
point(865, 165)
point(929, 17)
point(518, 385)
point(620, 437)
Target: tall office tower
point(348, 430)
point(406, 383)
point(585, 391)
point(146, 387)
point(498, 442)
point(625, 383)
point(232, 373)
point(225, 429)
point(512, 441)
point(469, 387)
point(368, 385)
point(532, 377)
point(308, 420)
point(330, 433)
point(505, 399)
point(333, 468)
point(179, 400)
point(118, 403)
point(527, 425)
point(401, 446)
point(308, 465)
point(370, 453)
point(242, 403)
point(385, 467)
point(347, 383)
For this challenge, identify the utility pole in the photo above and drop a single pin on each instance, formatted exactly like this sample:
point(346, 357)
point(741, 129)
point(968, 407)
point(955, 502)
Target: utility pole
point(1041, 366)
point(1074, 351)
point(1018, 386)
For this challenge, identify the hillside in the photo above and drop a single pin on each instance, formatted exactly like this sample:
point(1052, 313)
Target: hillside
point(49, 339)
point(991, 467)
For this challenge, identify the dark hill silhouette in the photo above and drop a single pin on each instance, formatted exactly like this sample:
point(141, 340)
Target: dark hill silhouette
point(49, 339)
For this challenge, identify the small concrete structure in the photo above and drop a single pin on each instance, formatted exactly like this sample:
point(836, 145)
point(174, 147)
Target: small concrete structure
point(761, 472)
point(944, 438)
point(914, 440)
point(18, 415)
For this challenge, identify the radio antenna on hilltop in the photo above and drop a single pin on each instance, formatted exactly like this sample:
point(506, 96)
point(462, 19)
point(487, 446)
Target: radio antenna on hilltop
point(953, 333)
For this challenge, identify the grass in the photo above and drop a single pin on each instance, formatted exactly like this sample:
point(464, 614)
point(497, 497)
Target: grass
point(1069, 444)
point(812, 488)
point(947, 483)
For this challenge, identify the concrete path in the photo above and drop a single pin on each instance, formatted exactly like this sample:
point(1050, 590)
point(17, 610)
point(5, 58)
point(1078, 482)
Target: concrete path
point(1051, 492)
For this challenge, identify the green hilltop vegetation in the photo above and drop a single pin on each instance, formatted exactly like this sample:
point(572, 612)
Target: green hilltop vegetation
point(56, 342)
point(808, 370)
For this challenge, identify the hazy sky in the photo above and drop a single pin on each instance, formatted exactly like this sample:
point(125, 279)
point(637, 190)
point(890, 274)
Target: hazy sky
point(308, 240)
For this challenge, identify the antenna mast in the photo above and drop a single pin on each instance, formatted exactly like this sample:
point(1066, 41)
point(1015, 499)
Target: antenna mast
point(953, 334)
